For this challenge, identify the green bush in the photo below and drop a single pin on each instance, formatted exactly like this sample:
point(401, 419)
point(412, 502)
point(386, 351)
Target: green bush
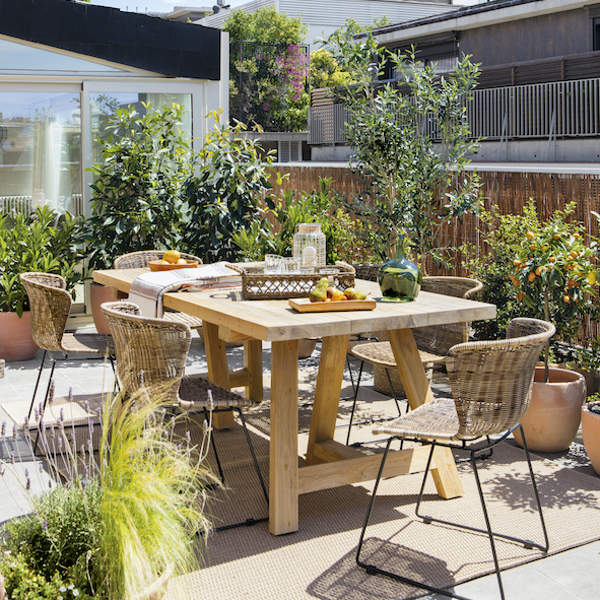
point(136, 202)
point(43, 241)
point(225, 195)
point(21, 582)
point(324, 206)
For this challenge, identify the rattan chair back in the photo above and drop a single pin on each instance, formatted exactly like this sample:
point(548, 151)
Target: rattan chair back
point(491, 381)
point(439, 339)
point(50, 306)
point(138, 260)
point(151, 353)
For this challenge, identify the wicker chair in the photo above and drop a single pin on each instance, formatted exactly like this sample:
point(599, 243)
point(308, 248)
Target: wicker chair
point(433, 342)
point(140, 260)
point(152, 353)
point(491, 387)
point(50, 307)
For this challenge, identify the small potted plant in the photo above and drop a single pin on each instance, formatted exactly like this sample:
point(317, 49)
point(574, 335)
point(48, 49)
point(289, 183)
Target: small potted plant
point(42, 242)
point(555, 275)
point(590, 425)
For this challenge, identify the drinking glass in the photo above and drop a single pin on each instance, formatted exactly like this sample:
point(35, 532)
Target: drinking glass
point(272, 264)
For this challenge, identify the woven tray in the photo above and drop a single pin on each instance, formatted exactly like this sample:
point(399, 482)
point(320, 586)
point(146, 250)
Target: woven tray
point(256, 285)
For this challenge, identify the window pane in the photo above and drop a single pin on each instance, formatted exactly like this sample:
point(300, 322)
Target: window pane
point(19, 57)
point(103, 106)
point(40, 150)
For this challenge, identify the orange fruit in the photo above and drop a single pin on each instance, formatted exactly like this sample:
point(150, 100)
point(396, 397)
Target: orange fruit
point(172, 256)
point(516, 262)
point(530, 234)
point(552, 259)
point(566, 299)
point(520, 296)
point(533, 247)
point(515, 282)
point(556, 236)
point(531, 276)
point(545, 247)
point(539, 271)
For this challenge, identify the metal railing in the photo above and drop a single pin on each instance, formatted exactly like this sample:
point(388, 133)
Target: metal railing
point(12, 205)
point(560, 109)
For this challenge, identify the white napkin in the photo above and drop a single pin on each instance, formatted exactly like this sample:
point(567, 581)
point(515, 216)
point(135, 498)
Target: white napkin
point(147, 290)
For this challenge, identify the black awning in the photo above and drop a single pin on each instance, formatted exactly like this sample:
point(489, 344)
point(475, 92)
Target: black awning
point(130, 39)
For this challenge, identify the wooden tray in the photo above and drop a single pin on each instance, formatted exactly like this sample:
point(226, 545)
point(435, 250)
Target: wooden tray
point(155, 265)
point(305, 305)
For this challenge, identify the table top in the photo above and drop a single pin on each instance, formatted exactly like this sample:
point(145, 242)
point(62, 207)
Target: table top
point(275, 320)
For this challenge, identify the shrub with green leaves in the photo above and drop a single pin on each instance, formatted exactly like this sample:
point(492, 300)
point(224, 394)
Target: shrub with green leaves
point(324, 206)
point(135, 203)
point(225, 195)
point(44, 241)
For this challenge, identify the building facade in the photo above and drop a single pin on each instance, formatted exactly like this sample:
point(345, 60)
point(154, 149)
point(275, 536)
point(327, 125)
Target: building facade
point(538, 97)
point(323, 18)
point(64, 69)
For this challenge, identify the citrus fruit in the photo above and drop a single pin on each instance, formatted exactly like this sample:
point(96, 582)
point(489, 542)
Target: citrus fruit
point(172, 256)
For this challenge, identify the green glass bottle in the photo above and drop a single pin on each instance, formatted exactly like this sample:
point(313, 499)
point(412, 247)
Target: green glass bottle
point(399, 278)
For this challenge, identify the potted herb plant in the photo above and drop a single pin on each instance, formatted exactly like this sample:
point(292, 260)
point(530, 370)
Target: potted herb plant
point(42, 242)
point(556, 279)
point(590, 425)
point(135, 201)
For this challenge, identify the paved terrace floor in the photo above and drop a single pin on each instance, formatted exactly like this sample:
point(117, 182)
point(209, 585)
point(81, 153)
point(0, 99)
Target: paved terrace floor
point(570, 575)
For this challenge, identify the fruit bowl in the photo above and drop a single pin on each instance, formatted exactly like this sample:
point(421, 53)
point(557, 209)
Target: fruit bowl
point(158, 265)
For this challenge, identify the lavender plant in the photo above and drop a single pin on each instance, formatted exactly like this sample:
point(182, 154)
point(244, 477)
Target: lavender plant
point(109, 523)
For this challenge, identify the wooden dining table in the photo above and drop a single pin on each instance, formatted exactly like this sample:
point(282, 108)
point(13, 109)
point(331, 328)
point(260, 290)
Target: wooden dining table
point(327, 463)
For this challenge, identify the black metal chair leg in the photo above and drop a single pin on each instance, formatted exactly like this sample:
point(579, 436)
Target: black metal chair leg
point(44, 404)
point(371, 504)
point(360, 372)
point(393, 390)
point(214, 447)
point(422, 488)
point(488, 526)
point(37, 383)
point(350, 373)
point(372, 569)
point(535, 490)
point(254, 459)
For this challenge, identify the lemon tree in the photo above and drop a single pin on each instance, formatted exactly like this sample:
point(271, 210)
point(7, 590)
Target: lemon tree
point(556, 272)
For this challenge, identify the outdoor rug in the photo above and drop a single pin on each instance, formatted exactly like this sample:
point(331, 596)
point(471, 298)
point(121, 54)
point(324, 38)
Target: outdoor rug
point(318, 561)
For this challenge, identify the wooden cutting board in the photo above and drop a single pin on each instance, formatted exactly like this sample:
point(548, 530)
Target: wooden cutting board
point(304, 305)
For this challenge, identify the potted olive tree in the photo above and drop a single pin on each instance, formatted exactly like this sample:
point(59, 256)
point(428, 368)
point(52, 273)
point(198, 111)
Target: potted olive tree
point(43, 241)
point(135, 201)
point(555, 275)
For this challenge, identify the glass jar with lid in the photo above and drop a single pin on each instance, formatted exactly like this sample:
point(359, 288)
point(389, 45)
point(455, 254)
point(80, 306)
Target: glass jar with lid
point(310, 245)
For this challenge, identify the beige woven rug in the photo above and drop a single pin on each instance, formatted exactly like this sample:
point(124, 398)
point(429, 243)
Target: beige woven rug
point(318, 560)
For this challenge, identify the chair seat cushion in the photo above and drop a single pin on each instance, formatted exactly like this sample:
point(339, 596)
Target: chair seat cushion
point(87, 343)
point(194, 394)
point(380, 353)
point(435, 419)
point(180, 317)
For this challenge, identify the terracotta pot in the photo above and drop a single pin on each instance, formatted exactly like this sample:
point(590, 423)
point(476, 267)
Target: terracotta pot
point(16, 341)
point(306, 347)
point(98, 295)
point(592, 381)
point(590, 425)
point(554, 413)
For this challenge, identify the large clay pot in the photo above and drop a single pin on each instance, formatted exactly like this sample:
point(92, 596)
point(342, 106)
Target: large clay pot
point(554, 413)
point(590, 425)
point(16, 341)
point(98, 295)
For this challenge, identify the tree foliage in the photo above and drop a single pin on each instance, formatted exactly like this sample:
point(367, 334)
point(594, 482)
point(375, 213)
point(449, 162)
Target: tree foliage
point(135, 201)
point(411, 143)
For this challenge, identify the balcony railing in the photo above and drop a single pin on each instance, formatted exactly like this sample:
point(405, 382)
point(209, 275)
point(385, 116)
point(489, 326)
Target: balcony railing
point(560, 109)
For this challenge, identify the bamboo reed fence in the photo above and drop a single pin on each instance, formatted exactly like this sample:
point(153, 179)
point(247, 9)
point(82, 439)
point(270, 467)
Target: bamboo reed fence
point(509, 191)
